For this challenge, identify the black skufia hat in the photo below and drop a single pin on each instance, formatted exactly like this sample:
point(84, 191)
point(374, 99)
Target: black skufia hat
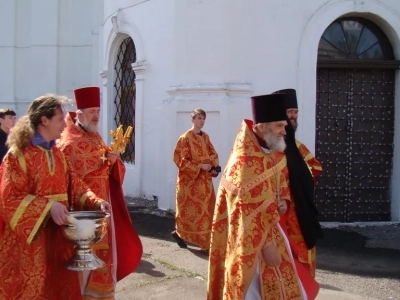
point(291, 97)
point(268, 108)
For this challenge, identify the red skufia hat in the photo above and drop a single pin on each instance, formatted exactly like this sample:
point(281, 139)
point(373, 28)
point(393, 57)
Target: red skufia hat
point(87, 97)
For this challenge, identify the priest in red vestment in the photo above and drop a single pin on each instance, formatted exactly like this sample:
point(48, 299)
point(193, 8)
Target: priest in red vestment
point(301, 170)
point(103, 171)
point(250, 258)
point(37, 188)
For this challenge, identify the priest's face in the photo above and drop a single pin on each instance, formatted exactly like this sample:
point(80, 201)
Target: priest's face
point(198, 121)
point(274, 134)
point(89, 118)
point(293, 114)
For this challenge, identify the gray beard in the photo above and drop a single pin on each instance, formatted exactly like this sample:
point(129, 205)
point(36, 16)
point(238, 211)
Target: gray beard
point(91, 128)
point(88, 127)
point(274, 142)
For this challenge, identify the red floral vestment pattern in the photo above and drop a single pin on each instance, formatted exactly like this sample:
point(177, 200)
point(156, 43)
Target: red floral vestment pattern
point(245, 220)
point(195, 196)
point(85, 150)
point(289, 221)
point(32, 248)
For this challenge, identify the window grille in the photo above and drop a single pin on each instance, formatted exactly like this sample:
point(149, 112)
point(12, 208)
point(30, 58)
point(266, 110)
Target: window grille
point(125, 93)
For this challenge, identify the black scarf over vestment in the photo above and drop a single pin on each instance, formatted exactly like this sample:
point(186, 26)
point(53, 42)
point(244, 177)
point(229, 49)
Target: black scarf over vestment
point(302, 188)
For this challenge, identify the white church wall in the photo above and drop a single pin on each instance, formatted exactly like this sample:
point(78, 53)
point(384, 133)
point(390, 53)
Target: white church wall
point(238, 43)
point(208, 54)
point(193, 48)
point(22, 76)
point(154, 48)
point(78, 52)
point(46, 46)
point(7, 53)
point(222, 103)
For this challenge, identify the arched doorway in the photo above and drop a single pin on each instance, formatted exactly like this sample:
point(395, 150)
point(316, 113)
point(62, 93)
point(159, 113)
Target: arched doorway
point(355, 121)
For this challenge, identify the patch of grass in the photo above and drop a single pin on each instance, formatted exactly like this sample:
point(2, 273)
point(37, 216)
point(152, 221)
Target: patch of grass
point(146, 255)
point(169, 213)
point(184, 272)
point(144, 283)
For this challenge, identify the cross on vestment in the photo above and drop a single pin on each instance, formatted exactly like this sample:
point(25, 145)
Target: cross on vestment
point(103, 157)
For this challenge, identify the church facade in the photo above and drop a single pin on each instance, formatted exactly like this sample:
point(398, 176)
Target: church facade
point(156, 60)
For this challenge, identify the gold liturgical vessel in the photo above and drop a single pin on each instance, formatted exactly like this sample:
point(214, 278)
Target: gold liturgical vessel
point(89, 227)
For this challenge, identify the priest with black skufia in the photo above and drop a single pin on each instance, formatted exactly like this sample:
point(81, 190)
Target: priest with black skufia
point(299, 221)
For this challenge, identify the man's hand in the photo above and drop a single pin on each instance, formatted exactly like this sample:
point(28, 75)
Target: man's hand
point(271, 256)
point(112, 157)
point(205, 167)
point(282, 207)
point(105, 206)
point(59, 213)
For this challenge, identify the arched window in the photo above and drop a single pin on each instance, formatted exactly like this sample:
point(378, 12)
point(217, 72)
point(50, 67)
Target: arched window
point(355, 42)
point(125, 93)
point(354, 39)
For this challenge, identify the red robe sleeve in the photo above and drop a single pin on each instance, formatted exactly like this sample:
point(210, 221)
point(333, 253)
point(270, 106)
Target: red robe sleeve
point(313, 164)
point(183, 159)
point(129, 246)
point(25, 213)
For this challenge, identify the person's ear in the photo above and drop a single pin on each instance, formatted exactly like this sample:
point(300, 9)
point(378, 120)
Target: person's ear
point(43, 120)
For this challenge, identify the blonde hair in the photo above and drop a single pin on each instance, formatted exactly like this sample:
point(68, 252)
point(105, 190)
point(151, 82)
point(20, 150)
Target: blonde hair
point(44, 106)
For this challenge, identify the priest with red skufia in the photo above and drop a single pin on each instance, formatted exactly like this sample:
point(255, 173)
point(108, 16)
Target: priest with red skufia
point(103, 171)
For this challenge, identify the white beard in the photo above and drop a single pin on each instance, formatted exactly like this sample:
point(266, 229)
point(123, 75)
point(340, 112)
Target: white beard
point(88, 127)
point(91, 128)
point(274, 142)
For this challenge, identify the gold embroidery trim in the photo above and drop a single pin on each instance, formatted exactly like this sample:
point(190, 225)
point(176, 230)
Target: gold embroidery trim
point(85, 196)
point(58, 197)
point(20, 210)
point(39, 221)
point(297, 238)
point(25, 203)
point(264, 176)
point(308, 156)
point(83, 199)
point(96, 177)
point(101, 246)
point(22, 162)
